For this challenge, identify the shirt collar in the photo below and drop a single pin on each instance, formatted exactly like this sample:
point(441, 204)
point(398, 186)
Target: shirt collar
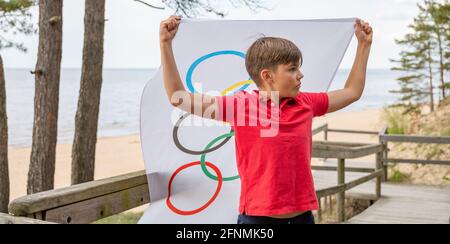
point(282, 101)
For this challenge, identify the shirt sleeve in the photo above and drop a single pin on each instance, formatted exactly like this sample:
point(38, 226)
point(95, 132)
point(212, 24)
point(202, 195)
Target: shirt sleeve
point(319, 102)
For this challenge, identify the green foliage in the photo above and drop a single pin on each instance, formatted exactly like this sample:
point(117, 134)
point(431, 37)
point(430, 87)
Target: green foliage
point(15, 19)
point(425, 53)
point(398, 176)
point(397, 119)
point(446, 132)
point(14, 5)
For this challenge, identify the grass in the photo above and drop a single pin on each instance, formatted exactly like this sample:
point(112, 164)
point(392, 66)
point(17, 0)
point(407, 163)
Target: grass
point(398, 176)
point(123, 218)
point(396, 121)
point(446, 132)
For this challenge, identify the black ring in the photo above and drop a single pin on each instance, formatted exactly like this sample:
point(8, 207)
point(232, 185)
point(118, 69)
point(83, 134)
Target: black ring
point(188, 151)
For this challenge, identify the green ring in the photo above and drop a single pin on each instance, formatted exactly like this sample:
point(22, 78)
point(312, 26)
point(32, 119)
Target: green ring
point(203, 158)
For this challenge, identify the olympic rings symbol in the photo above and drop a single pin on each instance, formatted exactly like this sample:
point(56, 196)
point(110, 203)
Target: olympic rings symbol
point(188, 151)
point(223, 139)
point(189, 83)
point(219, 187)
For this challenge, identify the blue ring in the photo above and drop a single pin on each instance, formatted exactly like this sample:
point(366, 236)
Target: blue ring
point(208, 56)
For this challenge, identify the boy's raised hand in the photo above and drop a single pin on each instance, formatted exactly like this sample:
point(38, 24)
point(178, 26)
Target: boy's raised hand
point(363, 32)
point(169, 28)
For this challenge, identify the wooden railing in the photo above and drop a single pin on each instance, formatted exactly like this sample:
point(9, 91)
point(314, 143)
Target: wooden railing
point(382, 159)
point(385, 139)
point(9, 219)
point(95, 200)
point(85, 203)
point(343, 151)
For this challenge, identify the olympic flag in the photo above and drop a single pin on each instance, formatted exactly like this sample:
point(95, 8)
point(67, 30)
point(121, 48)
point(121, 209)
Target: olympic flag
point(190, 162)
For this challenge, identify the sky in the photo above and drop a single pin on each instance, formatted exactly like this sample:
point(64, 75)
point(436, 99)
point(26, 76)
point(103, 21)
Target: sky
point(131, 32)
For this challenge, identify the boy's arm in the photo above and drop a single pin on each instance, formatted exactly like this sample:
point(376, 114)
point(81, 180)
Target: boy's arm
point(354, 86)
point(198, 104)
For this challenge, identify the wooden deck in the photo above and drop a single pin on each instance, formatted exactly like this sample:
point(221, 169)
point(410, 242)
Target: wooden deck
point(399, 204)
point(367, 166)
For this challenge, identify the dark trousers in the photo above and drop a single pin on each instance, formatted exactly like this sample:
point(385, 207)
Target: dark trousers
point(306, 218)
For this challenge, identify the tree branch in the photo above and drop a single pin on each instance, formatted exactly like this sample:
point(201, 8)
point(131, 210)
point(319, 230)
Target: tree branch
point(149, 5)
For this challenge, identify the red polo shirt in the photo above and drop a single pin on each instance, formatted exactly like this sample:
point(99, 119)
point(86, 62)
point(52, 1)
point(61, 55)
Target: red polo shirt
point(275, 170)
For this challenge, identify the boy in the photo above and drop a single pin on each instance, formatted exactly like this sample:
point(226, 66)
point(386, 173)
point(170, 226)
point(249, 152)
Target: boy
point(276, 180)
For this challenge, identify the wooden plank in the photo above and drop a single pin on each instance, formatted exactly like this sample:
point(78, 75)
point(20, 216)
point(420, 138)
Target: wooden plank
point(405, 211)
point(363, 180)
point(399, 203)
point(330, 191)
point(417, 161)
point(362, 151)
point(339, 144)
point(319, 129)
point(416, 139)
point(347, 169)
point(39, 202)
point(407, 204)
point(325, 179)
point(354, 131)
point(101, 207)
point(9, 219)
point(367, 163)
point(327, 150)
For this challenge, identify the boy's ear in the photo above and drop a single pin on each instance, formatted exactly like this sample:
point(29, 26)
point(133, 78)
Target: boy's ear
point(266, 75)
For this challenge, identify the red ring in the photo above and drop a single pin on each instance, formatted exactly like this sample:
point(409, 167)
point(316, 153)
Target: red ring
point(219, 187)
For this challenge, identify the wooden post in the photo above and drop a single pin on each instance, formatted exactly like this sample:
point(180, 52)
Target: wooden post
point(340, 201)
point(325, 138)
point(384, 154)
point(330, 204)
point(378, 166)
point(319, 212)
point(385, 163)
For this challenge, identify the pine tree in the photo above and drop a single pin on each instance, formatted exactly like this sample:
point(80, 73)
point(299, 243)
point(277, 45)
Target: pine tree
point(86, 120)
point(425, 54)
point(438, 15)
point(14, 19)
point(414, 65)
point(41, 173)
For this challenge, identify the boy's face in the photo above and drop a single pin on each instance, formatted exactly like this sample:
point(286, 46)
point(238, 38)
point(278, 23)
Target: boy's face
point(287, 80)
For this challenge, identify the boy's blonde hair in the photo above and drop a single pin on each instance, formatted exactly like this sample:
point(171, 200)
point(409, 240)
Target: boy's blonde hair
point(268, 53)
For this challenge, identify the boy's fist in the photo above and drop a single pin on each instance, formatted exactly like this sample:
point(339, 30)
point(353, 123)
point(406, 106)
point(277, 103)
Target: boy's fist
point(363, 32)
point(169, 28)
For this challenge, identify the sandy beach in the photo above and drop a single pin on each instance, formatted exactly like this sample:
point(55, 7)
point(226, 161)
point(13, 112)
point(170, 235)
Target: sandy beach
point(121, 155)
point(114, 156)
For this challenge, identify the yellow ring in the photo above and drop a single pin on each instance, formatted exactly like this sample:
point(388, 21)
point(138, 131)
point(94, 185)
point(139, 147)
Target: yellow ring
point(233, 87)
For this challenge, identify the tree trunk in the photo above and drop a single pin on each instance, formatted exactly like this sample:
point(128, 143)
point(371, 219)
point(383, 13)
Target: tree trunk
point(4, 172)
point(86, 121)
point(441, 64)
point(430, 73)
point(48, 68)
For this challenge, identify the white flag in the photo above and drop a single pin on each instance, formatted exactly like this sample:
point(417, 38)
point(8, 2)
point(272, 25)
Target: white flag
point(210, 56)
